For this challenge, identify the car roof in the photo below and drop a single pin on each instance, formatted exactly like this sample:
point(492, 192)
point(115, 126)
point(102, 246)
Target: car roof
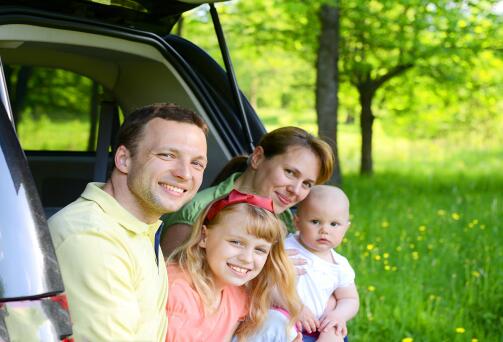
point(157, 16)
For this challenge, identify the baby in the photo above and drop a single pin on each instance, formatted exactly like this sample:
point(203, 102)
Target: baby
point(327, 289)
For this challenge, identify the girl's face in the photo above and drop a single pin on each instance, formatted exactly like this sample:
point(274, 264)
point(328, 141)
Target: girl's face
point(286, 178)
point(234, 256)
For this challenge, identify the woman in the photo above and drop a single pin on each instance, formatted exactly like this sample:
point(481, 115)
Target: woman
point(283, 167)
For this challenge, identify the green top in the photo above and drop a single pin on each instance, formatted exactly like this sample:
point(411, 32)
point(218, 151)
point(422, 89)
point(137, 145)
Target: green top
point(189, 212)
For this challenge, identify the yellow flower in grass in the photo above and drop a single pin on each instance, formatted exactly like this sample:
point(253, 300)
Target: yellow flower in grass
point(455, 216)
point(475, 340)
point(371, 288)
point(377, 257)
point(460, 330)
point(387, 268)
point(422, 229)
point(385, 224)
point(370, 246)
point(407, 339)
point(385, 255)
point(441, 212)
point(476, 274)
point(415, 255)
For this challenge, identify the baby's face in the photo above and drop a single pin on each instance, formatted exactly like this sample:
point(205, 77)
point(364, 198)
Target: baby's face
point(322, 224)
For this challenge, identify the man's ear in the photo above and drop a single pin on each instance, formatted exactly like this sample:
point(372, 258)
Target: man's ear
point(204, 234)
point(122, 159)
point(257, 157)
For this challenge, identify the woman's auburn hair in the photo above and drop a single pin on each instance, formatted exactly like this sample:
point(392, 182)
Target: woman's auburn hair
point(277, 275)
point(278, 142)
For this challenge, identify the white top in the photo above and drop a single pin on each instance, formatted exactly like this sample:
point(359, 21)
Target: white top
point(322, 277)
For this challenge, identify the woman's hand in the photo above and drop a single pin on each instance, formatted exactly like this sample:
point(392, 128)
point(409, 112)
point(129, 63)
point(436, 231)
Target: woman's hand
point(296, 261)
point(307, 321)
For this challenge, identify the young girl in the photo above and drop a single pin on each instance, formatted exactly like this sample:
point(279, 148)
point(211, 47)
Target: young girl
point(221, 279)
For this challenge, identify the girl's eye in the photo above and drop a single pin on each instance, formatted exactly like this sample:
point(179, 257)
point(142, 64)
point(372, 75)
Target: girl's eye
point(235, 243)
point(261, 250)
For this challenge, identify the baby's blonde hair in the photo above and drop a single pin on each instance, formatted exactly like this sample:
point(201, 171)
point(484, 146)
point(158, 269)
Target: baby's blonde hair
point(277, 273)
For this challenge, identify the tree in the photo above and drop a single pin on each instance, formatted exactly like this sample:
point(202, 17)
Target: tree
point(383, 39)
point(327, 81)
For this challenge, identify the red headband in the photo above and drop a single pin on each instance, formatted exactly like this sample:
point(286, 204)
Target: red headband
point(238, 197)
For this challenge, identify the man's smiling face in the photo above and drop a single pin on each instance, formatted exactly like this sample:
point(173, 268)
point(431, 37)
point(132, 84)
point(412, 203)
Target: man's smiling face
point(167, 168)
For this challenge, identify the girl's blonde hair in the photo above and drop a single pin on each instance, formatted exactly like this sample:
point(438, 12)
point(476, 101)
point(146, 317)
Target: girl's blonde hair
point(277, 275)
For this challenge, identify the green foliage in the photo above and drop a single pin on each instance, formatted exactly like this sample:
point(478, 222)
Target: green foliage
point(455, 47)
point(57, 93)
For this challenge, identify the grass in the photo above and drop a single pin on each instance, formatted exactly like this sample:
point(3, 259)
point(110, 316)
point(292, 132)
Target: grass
point(426, 232)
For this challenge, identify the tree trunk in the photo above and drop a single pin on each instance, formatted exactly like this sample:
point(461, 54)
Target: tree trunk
point(327, 82)
point(23, 76)
point(366, 121)
point(93, 117)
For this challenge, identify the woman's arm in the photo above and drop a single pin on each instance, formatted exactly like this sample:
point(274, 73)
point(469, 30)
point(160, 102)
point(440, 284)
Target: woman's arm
point(174, 237)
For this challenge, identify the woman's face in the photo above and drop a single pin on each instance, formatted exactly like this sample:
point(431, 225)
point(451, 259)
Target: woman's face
point(286, 178)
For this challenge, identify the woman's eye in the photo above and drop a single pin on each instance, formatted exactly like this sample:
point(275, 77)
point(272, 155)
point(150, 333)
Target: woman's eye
point(307, 185)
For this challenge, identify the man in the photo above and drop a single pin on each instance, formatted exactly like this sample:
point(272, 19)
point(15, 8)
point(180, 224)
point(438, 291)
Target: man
point(107, 241)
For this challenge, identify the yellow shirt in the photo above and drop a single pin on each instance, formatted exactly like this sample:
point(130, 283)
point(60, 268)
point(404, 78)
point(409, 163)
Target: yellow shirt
point(116, 289)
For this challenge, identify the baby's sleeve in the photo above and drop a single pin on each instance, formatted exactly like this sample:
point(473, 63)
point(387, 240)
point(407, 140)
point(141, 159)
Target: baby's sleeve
point(347, 274)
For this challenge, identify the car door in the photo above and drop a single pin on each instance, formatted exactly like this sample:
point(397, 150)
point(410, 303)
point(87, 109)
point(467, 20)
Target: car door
point(32, 301)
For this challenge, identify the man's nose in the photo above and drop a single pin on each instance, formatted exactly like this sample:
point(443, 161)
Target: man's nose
point(182, 170)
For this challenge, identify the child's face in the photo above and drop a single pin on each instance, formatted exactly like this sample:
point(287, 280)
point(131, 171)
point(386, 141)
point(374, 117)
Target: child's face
point(234, 256)
point(322, 224)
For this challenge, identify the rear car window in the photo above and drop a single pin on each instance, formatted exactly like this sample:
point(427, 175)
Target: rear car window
point(54, 109)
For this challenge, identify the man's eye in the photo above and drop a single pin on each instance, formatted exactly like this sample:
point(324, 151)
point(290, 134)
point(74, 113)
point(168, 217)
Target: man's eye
point(166, 156)
point(199, 165)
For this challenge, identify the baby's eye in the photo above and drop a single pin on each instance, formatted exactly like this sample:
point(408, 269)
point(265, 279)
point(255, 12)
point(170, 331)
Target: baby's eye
point(289, 172)
point(315, 221)
point(334, 224)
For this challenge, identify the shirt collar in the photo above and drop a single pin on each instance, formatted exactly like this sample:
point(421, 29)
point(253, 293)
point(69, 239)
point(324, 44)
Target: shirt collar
point(94, 192)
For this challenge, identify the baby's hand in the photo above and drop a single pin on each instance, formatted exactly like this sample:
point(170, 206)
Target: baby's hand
point(307, 321)
point(329, 320)
point(296, 261)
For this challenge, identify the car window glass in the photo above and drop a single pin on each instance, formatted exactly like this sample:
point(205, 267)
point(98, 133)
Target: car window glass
point(54, 109)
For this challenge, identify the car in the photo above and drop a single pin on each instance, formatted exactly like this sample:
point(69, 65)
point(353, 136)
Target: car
point(113, 57)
